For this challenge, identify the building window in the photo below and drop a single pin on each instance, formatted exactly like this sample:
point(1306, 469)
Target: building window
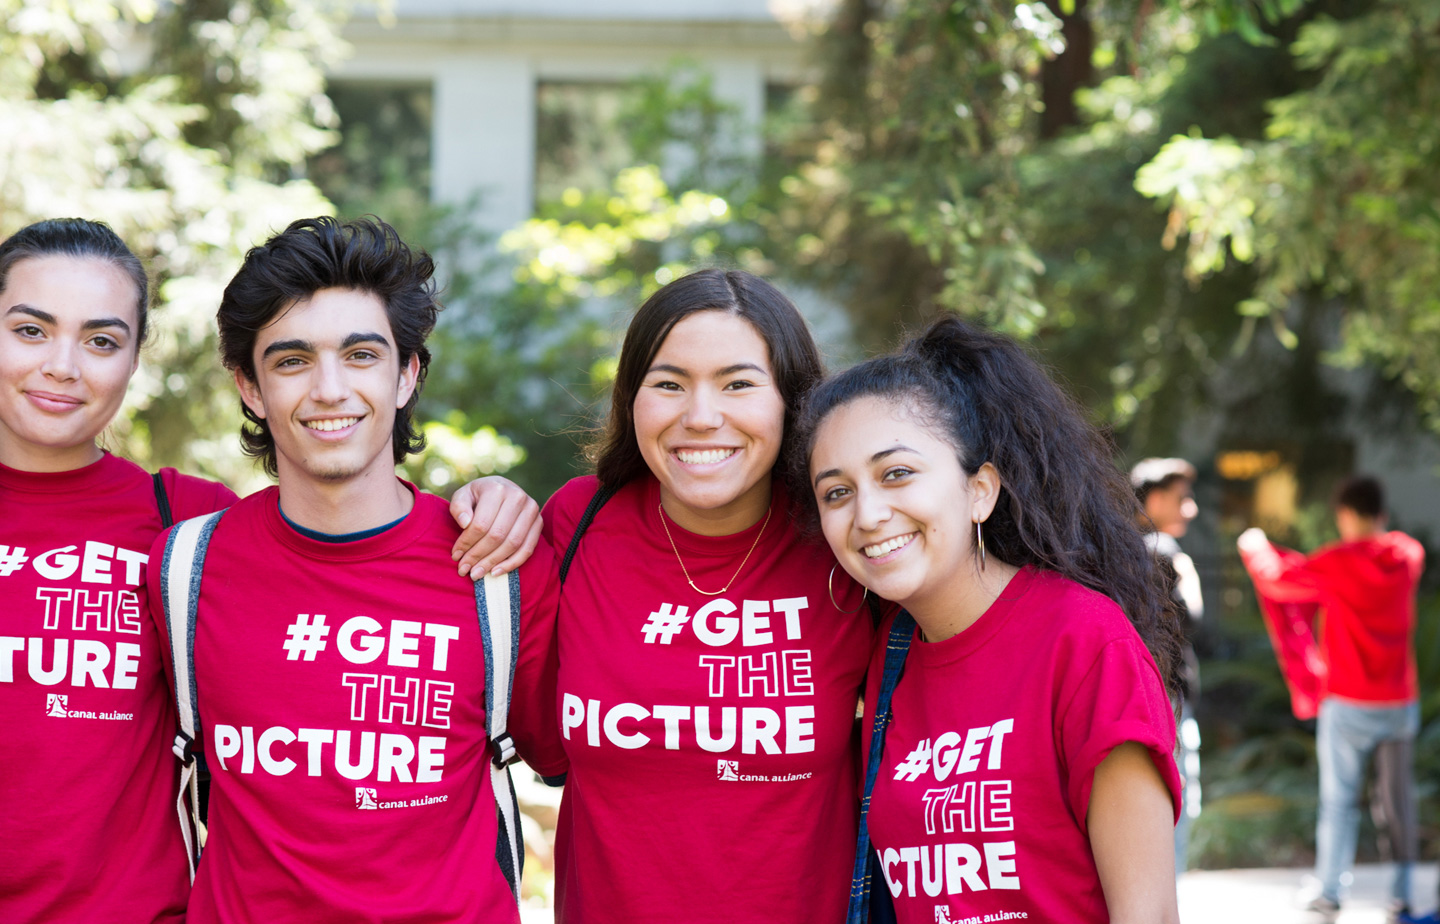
point(580, 141)
point(382, 163)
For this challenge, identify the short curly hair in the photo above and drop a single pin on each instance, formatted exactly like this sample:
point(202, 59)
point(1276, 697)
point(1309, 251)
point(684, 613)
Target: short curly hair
point(312, 254)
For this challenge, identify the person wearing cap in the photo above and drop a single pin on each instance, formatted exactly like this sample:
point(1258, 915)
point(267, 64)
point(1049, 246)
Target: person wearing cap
point(1165, 488)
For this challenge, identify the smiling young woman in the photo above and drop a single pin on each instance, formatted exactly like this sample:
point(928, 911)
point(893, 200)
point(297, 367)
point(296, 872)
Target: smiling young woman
point(86, 711)
point(709, 655)
point(1020, 766)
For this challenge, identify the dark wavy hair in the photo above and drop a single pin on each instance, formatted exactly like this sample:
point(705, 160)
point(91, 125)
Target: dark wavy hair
point(1361, 493)
point(794, 359)
point(79, 237)
point(1063, 505)
point(366, 255)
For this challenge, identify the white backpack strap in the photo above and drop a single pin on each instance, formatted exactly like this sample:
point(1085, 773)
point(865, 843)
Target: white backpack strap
point(181, 566)
point(497, 602)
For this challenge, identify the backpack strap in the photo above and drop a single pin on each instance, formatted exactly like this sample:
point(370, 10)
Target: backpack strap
point(497, 604)
point(183, 561)
point(162, 501)
point(897, 646)
point(602, 495)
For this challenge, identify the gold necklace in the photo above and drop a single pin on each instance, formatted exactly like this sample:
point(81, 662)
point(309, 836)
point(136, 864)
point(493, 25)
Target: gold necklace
point(686, 572)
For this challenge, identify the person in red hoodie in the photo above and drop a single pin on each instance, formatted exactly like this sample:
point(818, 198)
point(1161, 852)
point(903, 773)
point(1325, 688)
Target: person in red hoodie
point(1365, 587)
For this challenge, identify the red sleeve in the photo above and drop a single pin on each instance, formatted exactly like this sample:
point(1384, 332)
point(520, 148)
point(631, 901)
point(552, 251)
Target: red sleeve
point(563, 510)
point(194, 497)
point(1413, 553)
point(1284, 575)
point(1119, 699)
point(534, 710)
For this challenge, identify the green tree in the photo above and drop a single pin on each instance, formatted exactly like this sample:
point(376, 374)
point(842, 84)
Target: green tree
point(180, 124)
point(1337, 203)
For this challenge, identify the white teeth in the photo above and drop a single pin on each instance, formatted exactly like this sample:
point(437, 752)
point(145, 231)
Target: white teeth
point(703, 457)
point(338, 423)
point(888, 546)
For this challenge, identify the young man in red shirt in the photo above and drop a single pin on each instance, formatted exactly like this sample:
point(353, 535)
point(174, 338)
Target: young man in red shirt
point(338, 662)
point(1365, 588)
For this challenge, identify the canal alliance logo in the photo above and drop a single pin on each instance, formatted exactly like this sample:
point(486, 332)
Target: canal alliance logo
point(365, 798)
point(55, 705)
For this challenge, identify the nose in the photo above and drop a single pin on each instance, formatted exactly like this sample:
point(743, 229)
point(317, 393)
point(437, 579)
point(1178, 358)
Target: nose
point(61, 363)
point(871, 509)
point(329, 385)
point(703, 412)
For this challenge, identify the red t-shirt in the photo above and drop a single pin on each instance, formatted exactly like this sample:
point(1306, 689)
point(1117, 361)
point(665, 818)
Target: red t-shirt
point(980, 804)
point(90, 830)
point(710, 738)
point(340, 689)
point(1366, 589)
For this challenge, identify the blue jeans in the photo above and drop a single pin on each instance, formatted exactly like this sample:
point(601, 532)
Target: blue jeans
point(1346, 734)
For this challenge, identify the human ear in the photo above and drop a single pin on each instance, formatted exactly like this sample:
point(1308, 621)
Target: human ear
point(408, 376)
point(250, 394)
point(984, 492)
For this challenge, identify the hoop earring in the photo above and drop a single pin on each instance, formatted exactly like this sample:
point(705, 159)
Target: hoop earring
point(830, 585)
point(980, 542)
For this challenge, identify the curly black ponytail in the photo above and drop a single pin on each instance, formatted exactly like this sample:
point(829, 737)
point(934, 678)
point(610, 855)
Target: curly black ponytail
point(1063, 504)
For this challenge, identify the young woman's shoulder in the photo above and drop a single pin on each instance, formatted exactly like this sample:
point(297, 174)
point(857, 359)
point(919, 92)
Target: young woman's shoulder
point(568, 503)
point(1077, 610)
point(190, 496)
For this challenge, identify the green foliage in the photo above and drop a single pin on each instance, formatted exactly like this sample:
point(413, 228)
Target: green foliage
point(1339, 199)
point(911, 200)
point(185, 150)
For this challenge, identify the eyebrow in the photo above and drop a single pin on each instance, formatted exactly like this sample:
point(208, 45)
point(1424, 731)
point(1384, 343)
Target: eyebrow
point(48, 318)
point(832, 472)
point(305, 346)
point(728, 370)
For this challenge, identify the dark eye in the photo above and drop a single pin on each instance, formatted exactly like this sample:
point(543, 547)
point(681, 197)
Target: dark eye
point(738, 385)
point(30, 330)
point(896, 472)
point(289, 362)
point(666, 385)
point(364, 355)
point(105, 342)
point(831, 495)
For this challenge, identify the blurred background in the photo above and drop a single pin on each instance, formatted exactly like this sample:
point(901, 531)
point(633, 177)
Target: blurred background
point(1219, 221)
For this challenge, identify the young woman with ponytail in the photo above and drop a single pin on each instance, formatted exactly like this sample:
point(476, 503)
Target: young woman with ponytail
point(1018, 732)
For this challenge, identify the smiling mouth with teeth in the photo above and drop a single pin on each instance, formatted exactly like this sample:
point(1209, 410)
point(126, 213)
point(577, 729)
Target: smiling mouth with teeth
point(888, 546)
point(703, 456)
point(338, 423)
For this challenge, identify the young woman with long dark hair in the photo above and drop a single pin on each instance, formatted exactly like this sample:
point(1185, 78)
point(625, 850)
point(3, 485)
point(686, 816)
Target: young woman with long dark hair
point(1020, 767)
point(709, 655)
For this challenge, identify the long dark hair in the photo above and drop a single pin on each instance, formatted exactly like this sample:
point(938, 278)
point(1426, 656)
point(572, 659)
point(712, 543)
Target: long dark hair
point(1063, 505)
point(322, 253)
point(79, 237)
point(794, 358)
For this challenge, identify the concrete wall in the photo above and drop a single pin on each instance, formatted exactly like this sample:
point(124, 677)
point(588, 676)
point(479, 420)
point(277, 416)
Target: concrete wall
point(484, 59)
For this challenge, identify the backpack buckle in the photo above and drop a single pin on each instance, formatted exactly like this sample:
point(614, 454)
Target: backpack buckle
point(502, 750)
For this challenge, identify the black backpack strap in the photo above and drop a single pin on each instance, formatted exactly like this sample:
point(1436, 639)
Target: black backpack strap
point(601, 496)
point(162, 500)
